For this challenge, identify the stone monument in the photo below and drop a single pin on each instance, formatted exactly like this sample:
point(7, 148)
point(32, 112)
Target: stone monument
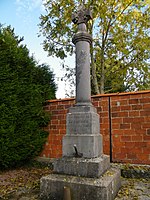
point(83, 168)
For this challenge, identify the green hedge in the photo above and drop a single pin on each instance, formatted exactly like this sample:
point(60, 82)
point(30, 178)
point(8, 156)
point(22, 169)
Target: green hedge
point(24, 87)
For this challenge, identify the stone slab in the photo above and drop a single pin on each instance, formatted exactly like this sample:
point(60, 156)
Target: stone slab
point(80, 123)
point(91, 168)
point(90, 146)
point(103, 188)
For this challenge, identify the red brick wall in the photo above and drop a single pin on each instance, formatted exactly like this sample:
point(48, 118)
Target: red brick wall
point(124, 116)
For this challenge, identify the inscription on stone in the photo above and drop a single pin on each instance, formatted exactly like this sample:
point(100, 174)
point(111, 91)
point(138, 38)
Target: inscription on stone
point(83, 124)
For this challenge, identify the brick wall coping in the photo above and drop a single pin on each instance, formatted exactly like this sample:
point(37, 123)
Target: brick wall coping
point(102, 95)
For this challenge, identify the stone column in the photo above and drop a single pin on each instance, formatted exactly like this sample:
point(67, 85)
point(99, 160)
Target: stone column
point(84, 169)
point(83, 127)
point(82, 41)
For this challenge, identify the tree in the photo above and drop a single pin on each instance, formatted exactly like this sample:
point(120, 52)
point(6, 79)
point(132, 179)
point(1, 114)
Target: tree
point(24, 88)
point(121, 40)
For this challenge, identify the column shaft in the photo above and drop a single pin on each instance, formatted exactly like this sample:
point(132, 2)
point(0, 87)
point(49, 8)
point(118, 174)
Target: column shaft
point(83, 88)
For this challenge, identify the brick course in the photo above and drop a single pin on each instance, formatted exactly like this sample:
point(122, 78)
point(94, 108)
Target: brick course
point(128, 115)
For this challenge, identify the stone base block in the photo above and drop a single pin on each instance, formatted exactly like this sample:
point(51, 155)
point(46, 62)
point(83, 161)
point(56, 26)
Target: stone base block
point(103, 188)
point(90, 146)
point(79, 122)
point(93, 167)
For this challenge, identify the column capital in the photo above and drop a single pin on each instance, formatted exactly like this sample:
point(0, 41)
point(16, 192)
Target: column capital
point(82, 36)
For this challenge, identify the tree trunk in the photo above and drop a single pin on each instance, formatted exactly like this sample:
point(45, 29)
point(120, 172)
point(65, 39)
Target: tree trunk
point(93, 66)
point(94, 77)
point(102, 69)
point(102, 82)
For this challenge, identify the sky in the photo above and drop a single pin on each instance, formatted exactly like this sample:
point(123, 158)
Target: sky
point(23, 16)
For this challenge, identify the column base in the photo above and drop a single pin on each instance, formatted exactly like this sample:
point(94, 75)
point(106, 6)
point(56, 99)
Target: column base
point(88, 146)
point(90, 168)
point(104, 188)
point(83, 131)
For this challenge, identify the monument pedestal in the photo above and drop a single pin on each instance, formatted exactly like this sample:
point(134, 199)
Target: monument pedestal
point(104, 187)
point(83, 132)
point(88, 176)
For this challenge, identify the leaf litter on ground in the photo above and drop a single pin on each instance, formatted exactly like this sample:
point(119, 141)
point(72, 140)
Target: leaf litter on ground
point(25, 181)
point(25, 177)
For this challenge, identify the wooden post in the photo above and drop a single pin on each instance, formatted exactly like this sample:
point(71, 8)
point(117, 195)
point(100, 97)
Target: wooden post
point(67, 193)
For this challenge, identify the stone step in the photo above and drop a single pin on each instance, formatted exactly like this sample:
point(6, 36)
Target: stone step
point(92, 168)
point(82, 188)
